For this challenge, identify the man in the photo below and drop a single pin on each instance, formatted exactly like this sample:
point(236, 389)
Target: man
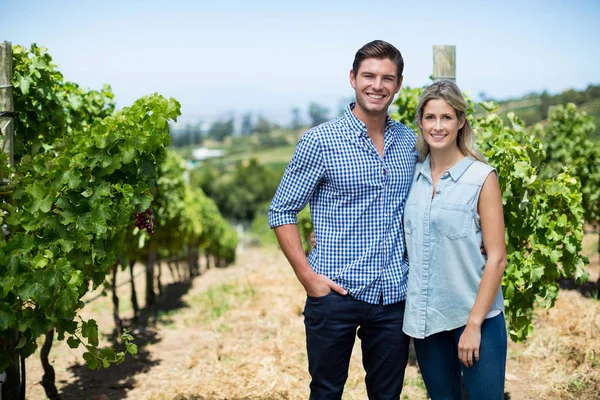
point(355, 171)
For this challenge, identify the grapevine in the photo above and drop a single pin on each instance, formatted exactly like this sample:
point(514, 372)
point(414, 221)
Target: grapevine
point(71, 197)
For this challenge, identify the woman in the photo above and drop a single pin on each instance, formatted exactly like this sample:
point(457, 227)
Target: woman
point(454, 307)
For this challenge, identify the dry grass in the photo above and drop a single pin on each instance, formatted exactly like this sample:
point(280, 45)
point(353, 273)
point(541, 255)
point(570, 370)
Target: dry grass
point(254, 350)
point(239, 334)
point(562, 358)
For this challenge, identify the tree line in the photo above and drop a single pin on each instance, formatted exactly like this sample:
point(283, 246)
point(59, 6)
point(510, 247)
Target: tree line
point(531, 108)
point(536, 107)
point(194, 134)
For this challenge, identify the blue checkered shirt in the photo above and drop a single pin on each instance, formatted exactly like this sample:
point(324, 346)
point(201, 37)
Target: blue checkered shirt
point(356, 201)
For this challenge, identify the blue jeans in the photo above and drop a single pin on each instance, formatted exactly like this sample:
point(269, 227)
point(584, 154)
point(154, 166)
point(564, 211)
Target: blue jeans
point(441, 369)
point(331, 324)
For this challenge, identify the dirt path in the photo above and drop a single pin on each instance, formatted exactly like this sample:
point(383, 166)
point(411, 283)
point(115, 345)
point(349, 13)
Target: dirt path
point(237, 333)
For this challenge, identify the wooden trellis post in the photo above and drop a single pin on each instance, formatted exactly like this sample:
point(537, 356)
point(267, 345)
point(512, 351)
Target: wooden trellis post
point(444, 63)
point(10, 380)
point(7, 107)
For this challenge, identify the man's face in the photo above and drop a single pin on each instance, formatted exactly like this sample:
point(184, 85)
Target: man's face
point(375, 84)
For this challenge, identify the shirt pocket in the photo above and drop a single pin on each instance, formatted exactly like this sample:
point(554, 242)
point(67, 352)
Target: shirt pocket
point(454, 220)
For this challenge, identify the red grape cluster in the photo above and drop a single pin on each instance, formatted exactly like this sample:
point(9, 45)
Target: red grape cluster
point(144, 220)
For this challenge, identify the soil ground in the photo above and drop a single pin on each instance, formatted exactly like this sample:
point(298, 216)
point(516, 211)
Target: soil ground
point(237, 333)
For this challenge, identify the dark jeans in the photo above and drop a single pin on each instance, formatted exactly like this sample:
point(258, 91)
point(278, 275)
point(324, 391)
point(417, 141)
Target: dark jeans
point(441, 369)
point(331, 325)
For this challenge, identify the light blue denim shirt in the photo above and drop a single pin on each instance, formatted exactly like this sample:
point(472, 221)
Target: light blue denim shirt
point(443, 239)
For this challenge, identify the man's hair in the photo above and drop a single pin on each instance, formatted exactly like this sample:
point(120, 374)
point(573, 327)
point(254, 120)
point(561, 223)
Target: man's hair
point(381, 50)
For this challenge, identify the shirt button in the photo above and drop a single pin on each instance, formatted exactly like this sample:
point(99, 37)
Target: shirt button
point(445, 175)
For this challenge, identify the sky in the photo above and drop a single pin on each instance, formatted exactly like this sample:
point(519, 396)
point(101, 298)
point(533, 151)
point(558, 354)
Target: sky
point(220, 58)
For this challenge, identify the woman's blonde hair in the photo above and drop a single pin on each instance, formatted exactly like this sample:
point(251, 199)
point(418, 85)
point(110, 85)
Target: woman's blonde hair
point(448, 91)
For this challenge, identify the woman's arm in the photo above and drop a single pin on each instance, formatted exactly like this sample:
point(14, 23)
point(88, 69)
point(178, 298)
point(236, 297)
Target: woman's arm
point(492, 229)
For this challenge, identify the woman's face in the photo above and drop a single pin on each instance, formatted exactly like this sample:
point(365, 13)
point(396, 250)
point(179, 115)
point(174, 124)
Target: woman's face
point(440, 125)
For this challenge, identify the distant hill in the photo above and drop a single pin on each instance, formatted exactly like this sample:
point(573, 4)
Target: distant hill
point(533, 108)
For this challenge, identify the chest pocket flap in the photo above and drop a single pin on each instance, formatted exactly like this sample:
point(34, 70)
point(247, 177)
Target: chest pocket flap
point(454, 220)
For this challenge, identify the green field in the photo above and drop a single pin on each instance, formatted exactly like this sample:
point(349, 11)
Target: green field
point(276, 155)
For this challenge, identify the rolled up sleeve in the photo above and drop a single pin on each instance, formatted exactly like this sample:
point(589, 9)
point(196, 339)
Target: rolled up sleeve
point(301, 178)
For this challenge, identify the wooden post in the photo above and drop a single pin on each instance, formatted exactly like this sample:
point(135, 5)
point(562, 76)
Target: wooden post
point(7, 107)
point(444, 63)
point(11, 380)
point(150, 295)
point(11, 387)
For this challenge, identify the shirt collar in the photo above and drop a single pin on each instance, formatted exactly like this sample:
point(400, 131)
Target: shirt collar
point(460, 168)
point(357, 125)
point(424, 169)
point(455, 172)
